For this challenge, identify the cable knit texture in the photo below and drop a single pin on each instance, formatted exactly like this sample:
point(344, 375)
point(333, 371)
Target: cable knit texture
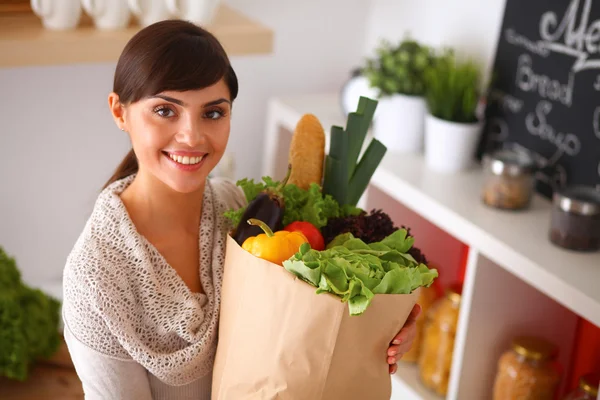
point(122, 298)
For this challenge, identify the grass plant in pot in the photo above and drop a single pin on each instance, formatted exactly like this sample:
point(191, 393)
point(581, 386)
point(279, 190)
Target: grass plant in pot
point(397, 74)
point(452, 127)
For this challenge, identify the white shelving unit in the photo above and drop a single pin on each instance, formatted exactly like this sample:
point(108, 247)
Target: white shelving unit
point(516, 281)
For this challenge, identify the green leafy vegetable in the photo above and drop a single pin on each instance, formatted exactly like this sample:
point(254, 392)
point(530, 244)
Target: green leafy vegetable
point(28, 322)
point(357, 271)
point(299, 205)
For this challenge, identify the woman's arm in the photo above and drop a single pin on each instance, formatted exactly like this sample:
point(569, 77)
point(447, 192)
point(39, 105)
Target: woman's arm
point(107, 378)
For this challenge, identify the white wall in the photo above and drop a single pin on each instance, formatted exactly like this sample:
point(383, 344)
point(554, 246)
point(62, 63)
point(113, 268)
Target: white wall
point(470, 26)
point(59, 143)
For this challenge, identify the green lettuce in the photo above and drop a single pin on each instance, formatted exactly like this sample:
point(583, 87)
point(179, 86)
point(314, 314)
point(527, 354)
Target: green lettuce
point(299, 204)
point(356, 271)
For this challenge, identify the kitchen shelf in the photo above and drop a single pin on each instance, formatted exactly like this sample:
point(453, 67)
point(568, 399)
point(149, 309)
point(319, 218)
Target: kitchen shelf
point(516, 280)
point(517, 241)
point(25, 42)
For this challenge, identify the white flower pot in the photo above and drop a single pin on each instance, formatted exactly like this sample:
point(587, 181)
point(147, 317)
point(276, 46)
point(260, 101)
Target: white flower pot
point(398, 123)
point(450, 146)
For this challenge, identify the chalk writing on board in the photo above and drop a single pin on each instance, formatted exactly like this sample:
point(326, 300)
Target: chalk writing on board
point(508, 102)
point(528, 81)
point(596, 122)
point(575, 39)
point(537, 125)
point(544, 96)
point(517, 39)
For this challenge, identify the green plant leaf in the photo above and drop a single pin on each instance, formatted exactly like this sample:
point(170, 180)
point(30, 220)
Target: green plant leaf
point(453, 88)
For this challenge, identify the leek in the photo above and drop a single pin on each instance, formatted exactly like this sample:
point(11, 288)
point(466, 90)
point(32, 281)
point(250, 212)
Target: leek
point(346, 177)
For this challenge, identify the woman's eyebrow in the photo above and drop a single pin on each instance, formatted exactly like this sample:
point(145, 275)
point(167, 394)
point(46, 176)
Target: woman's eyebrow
point(215, 102)
point(170, 99)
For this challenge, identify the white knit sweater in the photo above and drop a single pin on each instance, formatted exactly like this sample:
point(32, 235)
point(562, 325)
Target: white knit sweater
point(133, 328)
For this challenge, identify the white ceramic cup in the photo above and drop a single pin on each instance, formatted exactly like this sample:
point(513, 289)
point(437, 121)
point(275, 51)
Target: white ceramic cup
point(148, 12)
point(200, 12)
point(58, 14)
point(108, 14)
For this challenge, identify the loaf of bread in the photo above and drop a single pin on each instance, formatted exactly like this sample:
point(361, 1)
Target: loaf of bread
point(307, 152)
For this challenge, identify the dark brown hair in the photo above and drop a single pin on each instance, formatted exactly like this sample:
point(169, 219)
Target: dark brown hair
point(168, 55)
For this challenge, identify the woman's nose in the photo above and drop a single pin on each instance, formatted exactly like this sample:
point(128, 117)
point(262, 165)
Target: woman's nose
point(190, 134)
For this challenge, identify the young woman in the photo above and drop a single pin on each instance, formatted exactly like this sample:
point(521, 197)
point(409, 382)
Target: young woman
point(142, 283)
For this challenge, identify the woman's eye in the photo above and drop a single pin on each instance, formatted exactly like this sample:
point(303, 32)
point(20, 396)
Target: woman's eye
point(164, 112)
point(214, 114)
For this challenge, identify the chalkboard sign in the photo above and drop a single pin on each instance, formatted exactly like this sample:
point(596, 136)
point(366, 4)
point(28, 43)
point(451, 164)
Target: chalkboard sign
point(545, 91)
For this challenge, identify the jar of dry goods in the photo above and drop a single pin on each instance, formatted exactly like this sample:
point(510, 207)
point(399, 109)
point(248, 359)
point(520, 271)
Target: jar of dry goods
point(576, 218)
point(427, 297)
point(508, 179)
point(587, 390)
point(435, 359)
point(528, 371)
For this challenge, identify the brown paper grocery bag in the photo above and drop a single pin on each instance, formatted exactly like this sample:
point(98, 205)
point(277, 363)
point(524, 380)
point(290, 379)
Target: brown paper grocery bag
point(278, 339)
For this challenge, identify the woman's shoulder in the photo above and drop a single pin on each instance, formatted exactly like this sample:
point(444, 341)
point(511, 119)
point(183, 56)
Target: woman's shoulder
point(104, 238)
point(228, 192)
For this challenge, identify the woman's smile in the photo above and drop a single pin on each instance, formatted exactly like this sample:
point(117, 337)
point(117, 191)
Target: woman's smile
point(185, 160)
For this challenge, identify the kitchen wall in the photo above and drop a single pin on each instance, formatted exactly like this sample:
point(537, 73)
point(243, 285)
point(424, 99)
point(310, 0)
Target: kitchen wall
point(59, 143)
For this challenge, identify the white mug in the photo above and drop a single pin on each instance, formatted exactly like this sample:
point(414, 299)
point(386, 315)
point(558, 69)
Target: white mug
point(148, 12)
point(200, 12)
point(108, 14)
point(58, 14)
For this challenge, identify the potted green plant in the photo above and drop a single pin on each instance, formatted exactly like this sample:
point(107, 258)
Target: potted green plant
point(452, 127)
point(396, 72)
point(29, 322)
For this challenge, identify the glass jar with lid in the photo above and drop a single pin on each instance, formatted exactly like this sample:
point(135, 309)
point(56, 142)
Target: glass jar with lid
point(587, 389)
point(527, 371)
point(435, 358)
point(576, 218)
point(509, 179)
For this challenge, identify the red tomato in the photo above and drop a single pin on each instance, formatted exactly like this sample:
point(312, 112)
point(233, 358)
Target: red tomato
point(312, 233)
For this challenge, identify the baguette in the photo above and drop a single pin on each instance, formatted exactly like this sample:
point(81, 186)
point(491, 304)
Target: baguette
point(307, 152)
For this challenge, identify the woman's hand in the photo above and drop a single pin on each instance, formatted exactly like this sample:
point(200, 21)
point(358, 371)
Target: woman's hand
point(403, 340)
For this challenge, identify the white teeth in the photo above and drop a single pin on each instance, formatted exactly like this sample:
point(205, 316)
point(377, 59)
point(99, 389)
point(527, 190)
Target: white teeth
point(186, 160)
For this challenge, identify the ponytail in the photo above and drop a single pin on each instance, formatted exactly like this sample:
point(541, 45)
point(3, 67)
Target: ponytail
point(128, 166)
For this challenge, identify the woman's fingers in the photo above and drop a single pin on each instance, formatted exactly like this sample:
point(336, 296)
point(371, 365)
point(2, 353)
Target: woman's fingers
point(409, 325)
point(393, 368)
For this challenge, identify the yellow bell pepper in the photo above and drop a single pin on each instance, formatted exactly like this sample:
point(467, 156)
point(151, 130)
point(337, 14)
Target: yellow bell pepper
point(274, 247)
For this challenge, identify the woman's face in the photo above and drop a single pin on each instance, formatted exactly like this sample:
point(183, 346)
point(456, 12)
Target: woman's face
point(179, 137)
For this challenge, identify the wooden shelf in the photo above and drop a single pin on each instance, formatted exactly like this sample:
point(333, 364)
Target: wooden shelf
point(25, 42)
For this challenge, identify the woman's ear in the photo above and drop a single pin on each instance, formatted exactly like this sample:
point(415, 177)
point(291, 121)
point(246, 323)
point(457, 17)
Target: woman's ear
point(117, 110)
